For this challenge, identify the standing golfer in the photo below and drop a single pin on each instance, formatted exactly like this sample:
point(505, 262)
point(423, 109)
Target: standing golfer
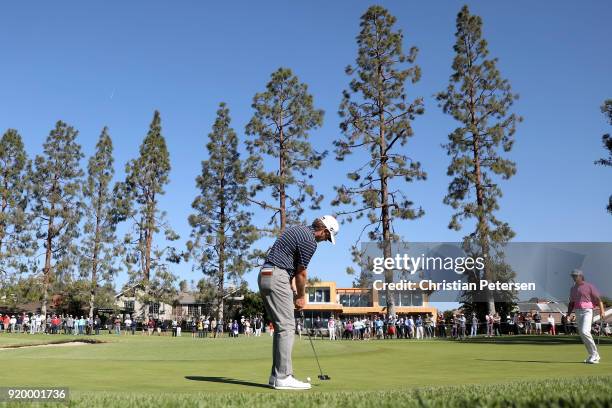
point(287, 260)
point(584, 297)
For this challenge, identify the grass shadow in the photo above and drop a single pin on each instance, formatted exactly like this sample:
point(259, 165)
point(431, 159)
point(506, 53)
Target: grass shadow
point(531, 361)
point(534, 339)
point(226, 380)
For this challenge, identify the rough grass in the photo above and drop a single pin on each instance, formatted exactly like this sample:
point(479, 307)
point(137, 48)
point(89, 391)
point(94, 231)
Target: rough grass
point(587, 392)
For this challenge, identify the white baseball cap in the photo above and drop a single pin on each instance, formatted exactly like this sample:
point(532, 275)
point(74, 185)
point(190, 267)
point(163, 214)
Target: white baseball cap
point(332, 226)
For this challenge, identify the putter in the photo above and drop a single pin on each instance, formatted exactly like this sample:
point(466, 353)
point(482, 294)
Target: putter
point(321, 375)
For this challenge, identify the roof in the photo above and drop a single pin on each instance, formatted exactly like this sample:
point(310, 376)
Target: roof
point(188, 298)
point(127, 289)
point(542, 307)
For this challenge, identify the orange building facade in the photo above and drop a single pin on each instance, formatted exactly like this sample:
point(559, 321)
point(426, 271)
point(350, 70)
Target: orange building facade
point(324, 299)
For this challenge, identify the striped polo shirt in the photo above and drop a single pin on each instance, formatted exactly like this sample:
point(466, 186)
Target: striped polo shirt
point(294, 248)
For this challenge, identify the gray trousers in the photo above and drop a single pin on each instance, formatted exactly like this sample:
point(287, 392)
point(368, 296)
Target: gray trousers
point(275, 289)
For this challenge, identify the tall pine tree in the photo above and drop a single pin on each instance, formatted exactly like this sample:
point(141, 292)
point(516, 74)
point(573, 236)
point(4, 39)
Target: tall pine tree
point(480, 100)
point(56, 183)
point(606, 139)
point(376, 118)
point(222, 231)
point(99, 245)
point(138, 202)
point(16, 244)
point(284, 116)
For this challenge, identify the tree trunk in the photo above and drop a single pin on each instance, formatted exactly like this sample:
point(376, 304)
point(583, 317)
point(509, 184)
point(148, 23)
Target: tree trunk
point(221, 243)
point(482, 227)
point(149, 228)
point(47, 268)
point(281, 172)
point(94, 265)
point(3, 226)
point(386, 221)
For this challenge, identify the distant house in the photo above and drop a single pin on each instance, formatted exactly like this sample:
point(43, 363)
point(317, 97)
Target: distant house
point(544, 308)
point(324, 299)
point(128, 304)
point(187, 307)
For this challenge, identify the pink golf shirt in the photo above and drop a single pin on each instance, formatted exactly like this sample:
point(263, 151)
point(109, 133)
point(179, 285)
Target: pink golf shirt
point(584, 296)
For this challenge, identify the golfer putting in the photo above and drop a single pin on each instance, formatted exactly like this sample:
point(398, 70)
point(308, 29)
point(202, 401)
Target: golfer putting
point(286, 262)
point(584, 297)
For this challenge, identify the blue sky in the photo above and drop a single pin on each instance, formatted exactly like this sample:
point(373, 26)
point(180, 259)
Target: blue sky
point(113, 63)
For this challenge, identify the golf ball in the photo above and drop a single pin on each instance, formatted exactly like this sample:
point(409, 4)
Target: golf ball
point(308, 379)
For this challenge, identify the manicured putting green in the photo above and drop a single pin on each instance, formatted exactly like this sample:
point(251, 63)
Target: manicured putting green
point(185, 365)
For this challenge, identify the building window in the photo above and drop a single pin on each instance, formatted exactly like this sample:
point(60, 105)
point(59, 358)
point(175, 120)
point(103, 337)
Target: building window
point(318, 295)
point(355, 299)
point(402, 298)
point(154, 308)
point(128, 304)
point(193, 310)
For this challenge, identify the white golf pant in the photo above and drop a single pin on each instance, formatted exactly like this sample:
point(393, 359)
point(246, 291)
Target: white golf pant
point(584, 318)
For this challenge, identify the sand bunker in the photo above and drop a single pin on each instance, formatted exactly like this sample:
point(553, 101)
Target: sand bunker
point(67, 343)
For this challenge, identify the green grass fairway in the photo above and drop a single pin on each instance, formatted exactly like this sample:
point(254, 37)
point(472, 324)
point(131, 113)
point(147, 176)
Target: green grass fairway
point(124, 366)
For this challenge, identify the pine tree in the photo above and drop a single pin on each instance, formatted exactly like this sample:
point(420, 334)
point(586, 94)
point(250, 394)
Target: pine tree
point(479, 99)
point(284, 116)
point(16, 241)
point(138, 202)
point(376, 117)
point(606, 109)
point(99, 245)
point(56, 183)
point(221, 227)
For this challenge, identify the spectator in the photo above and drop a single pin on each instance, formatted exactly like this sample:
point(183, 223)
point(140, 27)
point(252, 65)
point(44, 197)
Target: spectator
point(538, 322)
point(496, 324)
point(331, 328)
point(564, 323)
point(528, 323)
point(194, 328)
point(515, 320)
point(440, 323)
point(474, 329)
point(259, 325)
point(510, 322)
point(462, 325)
point(220, 329)
point(428, 326)
point(200, 328)
point(12, 323)
point(378, 323)
point(150, 326)
point(349, 330)
point(410, 327)
point(318, 328)
point(97, 323)
point(418, 323)
point(118, 325)
point(551, 324)
point(128, 324)
point(206, 325)
point(235, 329)
point(213, 327)
point(26, 323)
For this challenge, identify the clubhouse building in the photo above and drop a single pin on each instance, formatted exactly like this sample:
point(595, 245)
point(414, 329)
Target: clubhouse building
point(324, 299)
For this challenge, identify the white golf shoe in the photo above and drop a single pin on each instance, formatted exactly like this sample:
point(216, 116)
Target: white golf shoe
point(593, 359)
point(290, 383)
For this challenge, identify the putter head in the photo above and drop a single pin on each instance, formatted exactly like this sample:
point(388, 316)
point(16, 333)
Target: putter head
point(324, 377)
